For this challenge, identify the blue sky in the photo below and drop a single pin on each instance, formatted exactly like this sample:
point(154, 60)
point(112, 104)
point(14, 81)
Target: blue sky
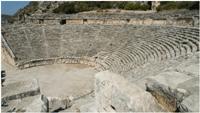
point(11, 7)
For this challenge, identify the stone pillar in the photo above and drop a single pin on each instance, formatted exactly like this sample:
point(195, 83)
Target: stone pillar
point(196, 21)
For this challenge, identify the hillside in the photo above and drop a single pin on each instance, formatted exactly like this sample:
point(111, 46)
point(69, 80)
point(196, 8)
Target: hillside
point(5, 18)
point(61, 7)
point(75, 7)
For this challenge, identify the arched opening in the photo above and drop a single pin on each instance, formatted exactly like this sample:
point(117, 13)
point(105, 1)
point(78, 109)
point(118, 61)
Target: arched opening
point(84, 20)
point(128, 20)
point(41, 21)
point(62, 22)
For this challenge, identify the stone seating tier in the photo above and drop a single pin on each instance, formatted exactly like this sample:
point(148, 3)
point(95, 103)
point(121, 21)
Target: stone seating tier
point(126, 46)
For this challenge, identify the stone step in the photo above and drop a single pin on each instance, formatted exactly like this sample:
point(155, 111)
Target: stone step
point(19, 90)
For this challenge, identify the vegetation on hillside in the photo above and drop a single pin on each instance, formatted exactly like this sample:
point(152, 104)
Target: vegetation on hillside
point(29, 9)
point(75, 7)
point(5, 18)
point(70, 7)
point(172, 5)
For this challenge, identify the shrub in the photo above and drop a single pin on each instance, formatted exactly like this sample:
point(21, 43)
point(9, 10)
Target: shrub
point(178, 5)
point(74, 7)
point(136, 6)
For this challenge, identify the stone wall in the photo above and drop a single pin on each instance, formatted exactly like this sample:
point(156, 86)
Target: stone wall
point(49, 61)
point(196, 21)
point(6, 57)
point(43, 21)
point(162, 22)
point(75, 21)
point(7, 53)
point(132, 21)
point(173, 18)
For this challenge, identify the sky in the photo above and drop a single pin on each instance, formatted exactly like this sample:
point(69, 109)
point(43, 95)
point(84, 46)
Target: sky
point(11, 7)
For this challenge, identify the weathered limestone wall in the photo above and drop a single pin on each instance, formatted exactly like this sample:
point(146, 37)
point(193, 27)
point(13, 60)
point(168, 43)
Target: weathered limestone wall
point(114, 93)
point(74, 21)
point(114, 22)
point(196, 21)
point(147, 22)
point(7, 53)
point(49, 61)
point(95, 21)
point(51, 21)
point(170, 18)
point(43, 21)
point(6, 57)
point(134, 21)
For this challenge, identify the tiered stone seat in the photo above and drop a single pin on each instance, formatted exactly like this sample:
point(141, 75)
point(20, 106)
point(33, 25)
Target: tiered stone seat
point(162, 47)
point(37, 41)
point(52, 40)
point(126, 46)
point(14, 40)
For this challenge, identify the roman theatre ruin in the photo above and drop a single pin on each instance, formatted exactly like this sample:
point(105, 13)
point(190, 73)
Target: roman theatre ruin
point(102, 61)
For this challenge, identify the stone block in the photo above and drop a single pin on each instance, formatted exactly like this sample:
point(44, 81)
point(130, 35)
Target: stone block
point(21, 89)
point(168, 97)
point(190, 104)
point(170, 78)
point(37, 105)
point(56, 103)
point(114, 93)
point(27, 104)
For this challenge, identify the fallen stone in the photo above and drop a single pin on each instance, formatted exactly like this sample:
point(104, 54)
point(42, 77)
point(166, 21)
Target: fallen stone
point(190, 66)
point(170, 78)
point(19, 90)
point(191, 85)
point(38, 105)
point(27, 104)
point(168, 97)
point(190, 103)
point(114, 93)
point(56, 103)
point(78, 104)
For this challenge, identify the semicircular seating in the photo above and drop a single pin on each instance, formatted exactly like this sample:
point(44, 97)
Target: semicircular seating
point(117, 48)
point(166, 46)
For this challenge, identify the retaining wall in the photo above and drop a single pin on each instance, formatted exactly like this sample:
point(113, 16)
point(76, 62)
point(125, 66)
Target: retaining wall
point(172, 18)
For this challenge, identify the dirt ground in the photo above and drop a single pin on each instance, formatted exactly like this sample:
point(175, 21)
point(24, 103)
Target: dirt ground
point(58, 80)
